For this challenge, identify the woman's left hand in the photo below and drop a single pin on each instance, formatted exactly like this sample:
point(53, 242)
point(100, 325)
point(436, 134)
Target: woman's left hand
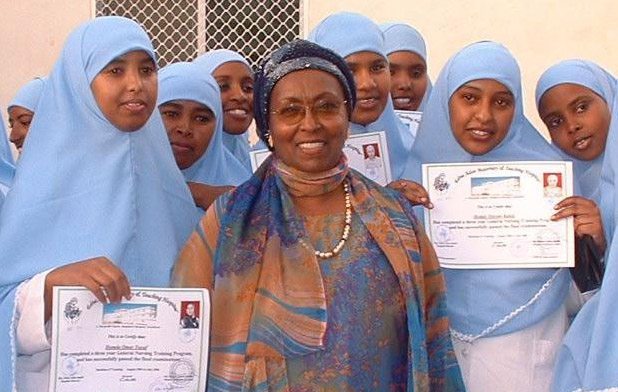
point(586, 218)
point(412, 191)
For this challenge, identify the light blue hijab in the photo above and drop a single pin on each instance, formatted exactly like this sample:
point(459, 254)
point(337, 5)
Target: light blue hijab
point(400, 37)
point(85, 188)
point(217, 166)
point(237, 144)
point(587, 358)
point(478, 299)
point(28, 96)
point(7, 164)
point(347, 33)
point(595, 78)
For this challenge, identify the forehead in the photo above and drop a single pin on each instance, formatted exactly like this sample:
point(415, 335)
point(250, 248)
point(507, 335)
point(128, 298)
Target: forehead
point(365, 57)
point(563, 94)
point(306, 82)
point(486, 86)
point(138, 56)
point(231, 69)
point(187, 104)
point(405, 58)
point(16, 111)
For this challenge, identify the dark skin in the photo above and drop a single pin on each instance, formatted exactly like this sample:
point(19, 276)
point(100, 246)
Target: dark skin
point(99, 275)
point(204, 195)
point(586, 218)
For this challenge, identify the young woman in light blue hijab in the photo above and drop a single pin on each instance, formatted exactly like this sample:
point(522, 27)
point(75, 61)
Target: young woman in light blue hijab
point(407, 57)
point(587, 358)
point(190, 105)
point(109, 211)
point(574, 99)
point(361, 43)
point(7, 165)
point(506, 324)
point(21, 110)
point(234, 75)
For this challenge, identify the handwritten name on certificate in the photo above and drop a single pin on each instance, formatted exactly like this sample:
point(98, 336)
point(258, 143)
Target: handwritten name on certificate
point(497, 215)
point(157, 341)
point(366, 152)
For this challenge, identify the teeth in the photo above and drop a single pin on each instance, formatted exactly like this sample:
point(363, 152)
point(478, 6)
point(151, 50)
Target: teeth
point(311, 145)
point(237, 112)
point(403, 101)
point(580, 145)
point(478, 132)
point(366, 100)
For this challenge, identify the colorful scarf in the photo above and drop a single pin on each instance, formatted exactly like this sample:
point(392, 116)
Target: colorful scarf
point(275, 285)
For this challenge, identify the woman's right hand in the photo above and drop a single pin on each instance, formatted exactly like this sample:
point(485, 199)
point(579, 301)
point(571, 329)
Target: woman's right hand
point(99, 275)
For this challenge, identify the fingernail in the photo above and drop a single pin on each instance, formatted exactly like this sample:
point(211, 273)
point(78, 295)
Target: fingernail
point(430, 205)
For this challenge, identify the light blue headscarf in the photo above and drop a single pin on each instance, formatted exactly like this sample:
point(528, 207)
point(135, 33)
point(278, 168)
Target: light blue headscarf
point(347, 33)
point(400, 37)
point(7, 164)
point(238, 145)
point(587, 358)
point(217, 166)
point(478, 299)
point(589, 75)
point(85, 188)
point(28, 96)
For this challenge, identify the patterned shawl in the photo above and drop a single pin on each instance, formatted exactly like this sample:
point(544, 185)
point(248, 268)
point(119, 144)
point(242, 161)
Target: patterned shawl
point(268, 296)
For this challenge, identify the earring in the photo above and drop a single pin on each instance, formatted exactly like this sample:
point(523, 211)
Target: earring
point(269, 140)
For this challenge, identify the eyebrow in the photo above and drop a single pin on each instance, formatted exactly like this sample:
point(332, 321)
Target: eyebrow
point(321, 95)
point(467, 85)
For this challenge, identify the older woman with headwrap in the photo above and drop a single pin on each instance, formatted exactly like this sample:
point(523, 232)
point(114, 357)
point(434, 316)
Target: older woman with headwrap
point(320, 279)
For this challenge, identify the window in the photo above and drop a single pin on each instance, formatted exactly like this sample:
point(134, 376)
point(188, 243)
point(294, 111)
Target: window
point(183, 29)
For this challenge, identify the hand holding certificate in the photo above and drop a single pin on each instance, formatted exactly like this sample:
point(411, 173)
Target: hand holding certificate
point(498, 215)
point(157, 341)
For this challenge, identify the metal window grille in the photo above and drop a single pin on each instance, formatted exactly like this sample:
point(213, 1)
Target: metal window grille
point(183, 29)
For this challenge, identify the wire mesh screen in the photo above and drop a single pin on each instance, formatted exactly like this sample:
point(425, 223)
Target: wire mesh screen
point(252, 27)
point(183, 29)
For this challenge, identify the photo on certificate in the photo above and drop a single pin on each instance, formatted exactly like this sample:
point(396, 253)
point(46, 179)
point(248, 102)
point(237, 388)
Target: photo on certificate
point(368, 154)
point(498, 214)
point(411, 118)
point(156, 341)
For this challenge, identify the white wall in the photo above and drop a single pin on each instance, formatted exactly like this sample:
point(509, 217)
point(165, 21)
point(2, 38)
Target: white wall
point(32, 33)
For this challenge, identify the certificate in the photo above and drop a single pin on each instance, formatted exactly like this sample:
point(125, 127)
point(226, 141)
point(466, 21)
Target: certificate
point(157, 341)
point(411, 118)
point(366, 152)
point(497, 215)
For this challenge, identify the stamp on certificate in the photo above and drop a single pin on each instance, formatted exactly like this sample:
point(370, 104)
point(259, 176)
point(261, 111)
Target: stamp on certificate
point(440, 183)
point(182, 372)
point(519, 248)
point(442, 234)
point(70, 366)
point(187, 335)
point(72, 312)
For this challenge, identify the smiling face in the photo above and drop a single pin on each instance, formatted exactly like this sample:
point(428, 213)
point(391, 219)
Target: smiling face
point(577, 119)
point(19, 122)
point(372, 79)
point(552, 180)
point(190, 127)
point(408, 79)
point(236, 84)
point(481, 113)
point(190, 310)
point(126, 90)
point(309, 140)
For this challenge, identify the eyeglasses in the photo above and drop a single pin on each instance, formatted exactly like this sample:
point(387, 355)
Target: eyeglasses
point(322, 110)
